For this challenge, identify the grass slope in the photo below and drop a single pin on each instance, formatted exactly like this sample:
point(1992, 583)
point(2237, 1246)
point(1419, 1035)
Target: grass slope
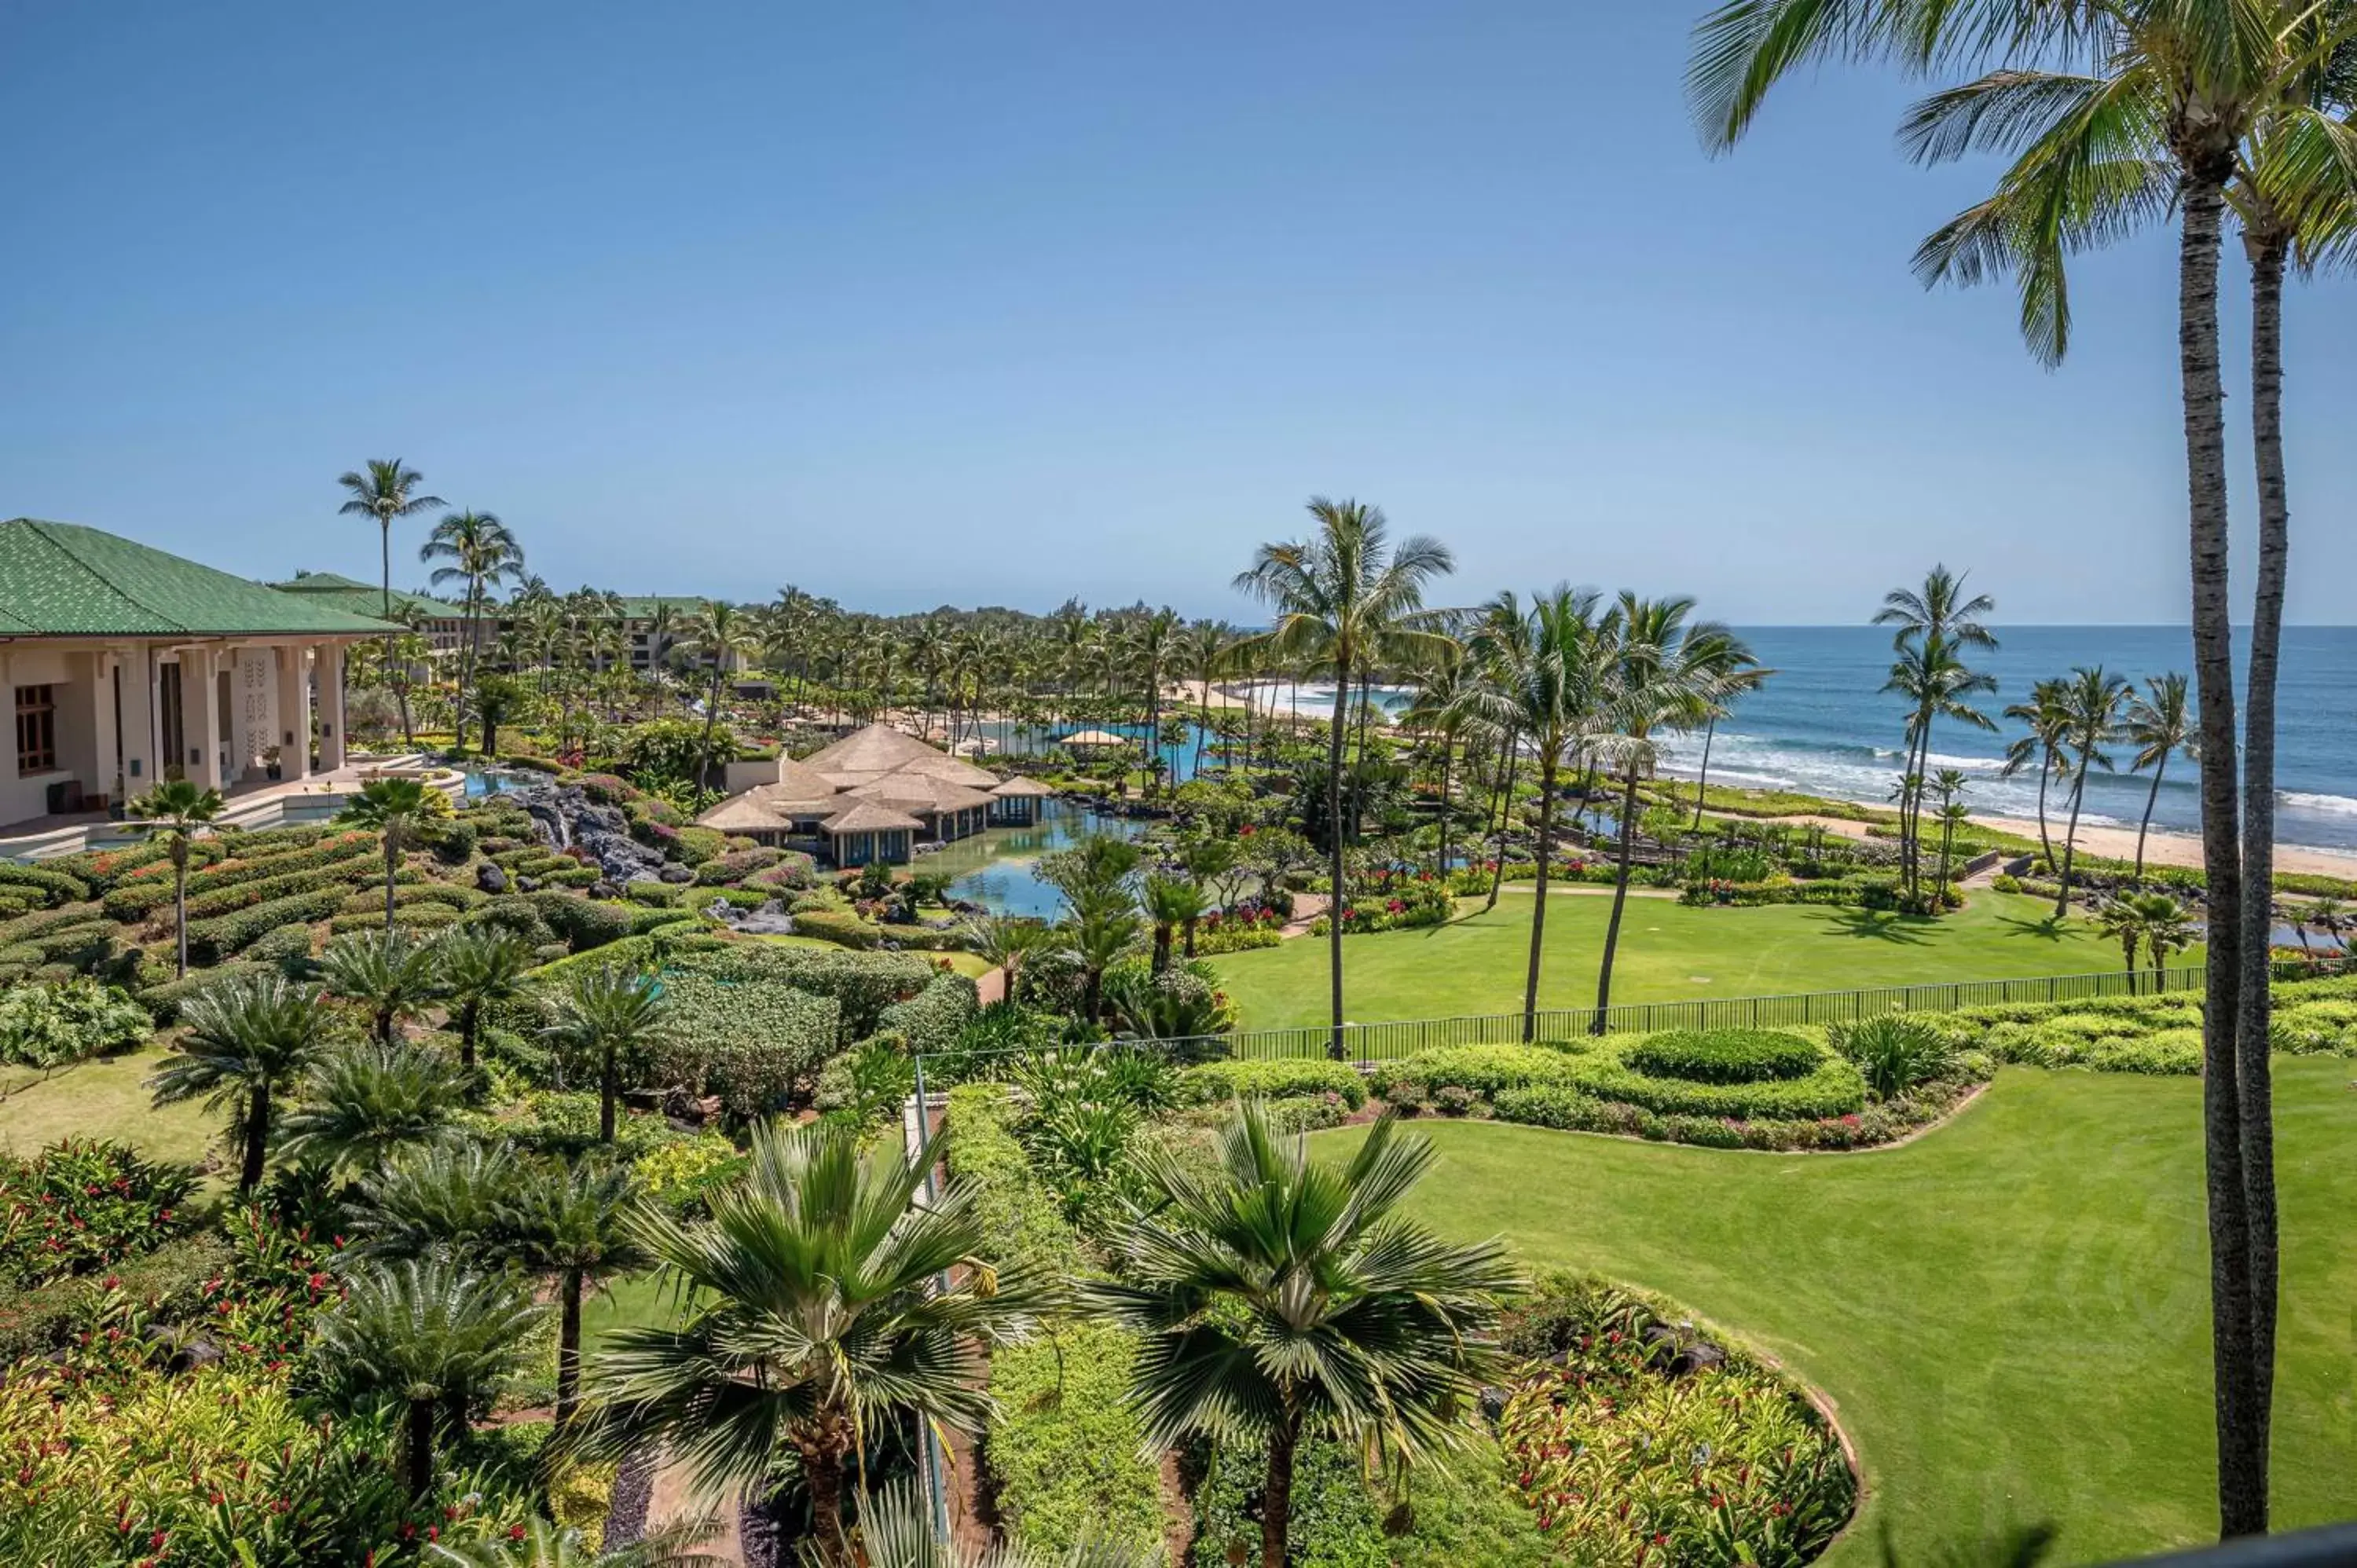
point(107, 1099)
point(1667, 952)
point(2011, 1314)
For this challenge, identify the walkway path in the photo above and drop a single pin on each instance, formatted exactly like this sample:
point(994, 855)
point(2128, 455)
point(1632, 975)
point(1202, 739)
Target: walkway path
point(674, 1499)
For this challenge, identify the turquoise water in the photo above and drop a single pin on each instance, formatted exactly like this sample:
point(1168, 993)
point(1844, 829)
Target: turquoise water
point(998, 869)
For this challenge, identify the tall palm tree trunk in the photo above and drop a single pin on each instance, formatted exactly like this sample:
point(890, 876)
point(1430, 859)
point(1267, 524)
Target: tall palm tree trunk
point(823, 1476)
point(1619, 900)
point(2144, 826)
point(1505, 815)
point(1702, 778)
point(2252, 1028)
point(257, 1138)
point(2045, 840)
point(607, 1087)
point(1539, 905)
point(180, 902)
point(1448, 757)
point(2070, 839)
point(391, 870)
point(417, 1448)
point(1276, 1491)
point(1334, 853)
point(2242, 1448)
point(568, 1347)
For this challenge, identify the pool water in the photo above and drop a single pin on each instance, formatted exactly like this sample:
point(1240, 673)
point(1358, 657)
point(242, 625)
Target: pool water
point(998, 869)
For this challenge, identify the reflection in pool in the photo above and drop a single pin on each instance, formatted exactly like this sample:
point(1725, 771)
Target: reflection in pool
point(995, 869)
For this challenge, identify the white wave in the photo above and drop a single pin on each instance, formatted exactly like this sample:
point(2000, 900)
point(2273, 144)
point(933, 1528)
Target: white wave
point(2332, 805)
point(1964, 764)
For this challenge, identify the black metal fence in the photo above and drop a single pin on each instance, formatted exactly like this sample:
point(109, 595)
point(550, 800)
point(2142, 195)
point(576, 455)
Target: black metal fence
point(1388, 1041)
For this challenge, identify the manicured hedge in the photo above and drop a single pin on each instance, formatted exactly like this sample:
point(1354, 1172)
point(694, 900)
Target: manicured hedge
point(840, 926)
point(351, 852)
point(1485, 1069)
point(1723, 1056)
point(862, 983)
point(30, 928)
point(584, 923)
point(408, 917)
point(1273, 1079)
point(736, 865)
point(357, 872)
point(753, 1043)
point(1834, 1088)
point(1064, 1443)
point(165, 1000)
point(1016, 1209)
point(409, 897)
point(54, 886)
point(932, 1019)
point(211, 940)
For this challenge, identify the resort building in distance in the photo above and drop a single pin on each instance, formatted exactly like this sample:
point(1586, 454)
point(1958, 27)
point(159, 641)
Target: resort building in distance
point(875, 795)
point(128, 665)
point(443, 625)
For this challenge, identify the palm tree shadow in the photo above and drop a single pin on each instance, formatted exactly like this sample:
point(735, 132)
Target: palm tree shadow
point(1879, 925)
point(2050, 929)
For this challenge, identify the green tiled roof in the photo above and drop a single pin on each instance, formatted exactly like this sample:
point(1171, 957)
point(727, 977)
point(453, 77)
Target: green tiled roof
point(58, 579)
point(642, 607)
point(365, 598)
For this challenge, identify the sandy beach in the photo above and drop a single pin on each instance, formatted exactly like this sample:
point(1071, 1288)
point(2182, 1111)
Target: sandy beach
point(2160, 848)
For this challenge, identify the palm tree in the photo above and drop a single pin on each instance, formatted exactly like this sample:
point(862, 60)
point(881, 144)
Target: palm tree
point(482, 555)
point(2155, 121)
point(386, 488)
point(1100, 907)
point(1006, 942)
point(1949, 785)
point(2045, 714)
point(430, 1334)
point(2159, 721)
point(393, 975)
point(399, 809)
point(481, 968)
point(1449, 694)
point(178, 810)
point(496, 697)
point(1171, 903)
point(2124, 922)
point(583, 1225)
point(368, 1099)
point(545, 1545)
point(717, 634)
point(1205, 648)
point(2091, 707)
point(245, 1039)
point(1346, 601)
point(1547, 687)
point(1156, 646)
point(663, 627)
point(2168, 928)
point(1280, 1297)
point(1660, 672)
point(613, 1016)
point(1935, 625)
point(818, 1304)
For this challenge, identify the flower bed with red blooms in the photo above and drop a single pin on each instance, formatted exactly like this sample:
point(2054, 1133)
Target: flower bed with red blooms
point(81, 1205)
point(1638, 1440)
point(1408, 904)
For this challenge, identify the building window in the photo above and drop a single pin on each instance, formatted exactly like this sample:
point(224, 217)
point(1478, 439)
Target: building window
point(36, 729)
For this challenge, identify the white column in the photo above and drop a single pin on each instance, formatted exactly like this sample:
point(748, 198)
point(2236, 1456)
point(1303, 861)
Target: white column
point(201, 719)
point(138, 683)
point(100, 697)
point(293, 713)
point(330, 668)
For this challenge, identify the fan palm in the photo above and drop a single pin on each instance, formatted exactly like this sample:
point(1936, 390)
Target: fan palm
point(1281, 1299)
point(1005, 942)
point(178, 811)
point(482, 553)
point(429, 1334)
point(582, 1225)
point(611, 1016)
point(1346, 601)
point(545, 1545)
point(2159, 722)
point(718, 634)
point(393, 976)
point(399, 809)
point(2090, 708)
point(1096, 878)
point(245, 1039)
point(362, 1102)
point(815, 1304)
point(1661, 672)
point(384, 488)
point(481, 968)
point(896, 1530)
point(1547, 688)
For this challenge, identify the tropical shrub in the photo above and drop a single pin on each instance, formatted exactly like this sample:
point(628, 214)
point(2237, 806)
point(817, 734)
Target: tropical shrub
point(1833, 1088)
point(862, 985)
point(1723, 1056)
point(932, 1019)
point(750, 1043)
point(1892, 1051)
point(1015, 1206)
point(734, 865)
point(50, 1025)
point(682, 1175)
point(1484, 1069)
point(582, 923)
point(83, 1204)
point(211, 940)
point(1063, 1444)
point(869, 1083)
point(840, 926)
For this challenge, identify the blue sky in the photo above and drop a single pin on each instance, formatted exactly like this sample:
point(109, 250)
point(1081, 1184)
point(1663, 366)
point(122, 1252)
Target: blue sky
point(914, 305)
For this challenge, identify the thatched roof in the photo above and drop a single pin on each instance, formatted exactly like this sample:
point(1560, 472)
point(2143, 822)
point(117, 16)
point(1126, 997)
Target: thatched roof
point(800, 781)
point(922, 791)
point(952, 769)
point(742, 814)
point(1095, 737)
point(1019, 789)
point(879, 748)
point(872, 817)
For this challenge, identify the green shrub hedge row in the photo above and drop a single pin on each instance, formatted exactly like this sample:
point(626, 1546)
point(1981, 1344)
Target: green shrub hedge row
point(1064, 1443)
point(1833, 1088)
point(358, 871)
point(862, 985)
point(840, 926)
point(152, 889)
point(1485, 1069)
point(27, 927)
point(412, 895)
point(1723, 1056)
point(751, 1043)
point(583, 923)
point(211, 940)
point(1015, 1208)
point(1571, 1110)
point(934, 1017)
point(1273, 1079)
point(53, 886)
point(409, 918)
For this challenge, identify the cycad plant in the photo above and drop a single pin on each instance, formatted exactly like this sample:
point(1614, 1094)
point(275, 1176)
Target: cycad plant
point(431, 1334)
point(818, 1302)
point(1281, 1299)
point(481, 968)
point(610, 1016)
point(178, 810)
point(246, 1039)
point(1173, 904)
point(364, 1100)
point(390, 975)
point(1347, 602)
point(581, 1225)
point(399, 810)
point(440, 1197)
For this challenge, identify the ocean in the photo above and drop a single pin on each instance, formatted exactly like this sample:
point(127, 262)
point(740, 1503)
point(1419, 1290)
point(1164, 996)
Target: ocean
point(1823, 725)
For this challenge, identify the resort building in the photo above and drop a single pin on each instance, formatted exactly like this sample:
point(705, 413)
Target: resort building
point(128, 665)
point(442, 624)
point(875, 795)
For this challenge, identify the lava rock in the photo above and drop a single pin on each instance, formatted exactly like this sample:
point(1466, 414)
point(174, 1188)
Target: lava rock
point(676, 875)
point(1493, 1404)
point(490, 878)
point(527, 884)
point(1696, 1357)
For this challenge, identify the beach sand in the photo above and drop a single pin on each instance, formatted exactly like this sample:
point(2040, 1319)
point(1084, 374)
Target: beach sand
point(2160, 848)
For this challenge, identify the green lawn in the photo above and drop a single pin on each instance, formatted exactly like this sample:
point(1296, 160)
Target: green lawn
point(106, 1099)
point(1667, 952)
point(2011, 1314)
